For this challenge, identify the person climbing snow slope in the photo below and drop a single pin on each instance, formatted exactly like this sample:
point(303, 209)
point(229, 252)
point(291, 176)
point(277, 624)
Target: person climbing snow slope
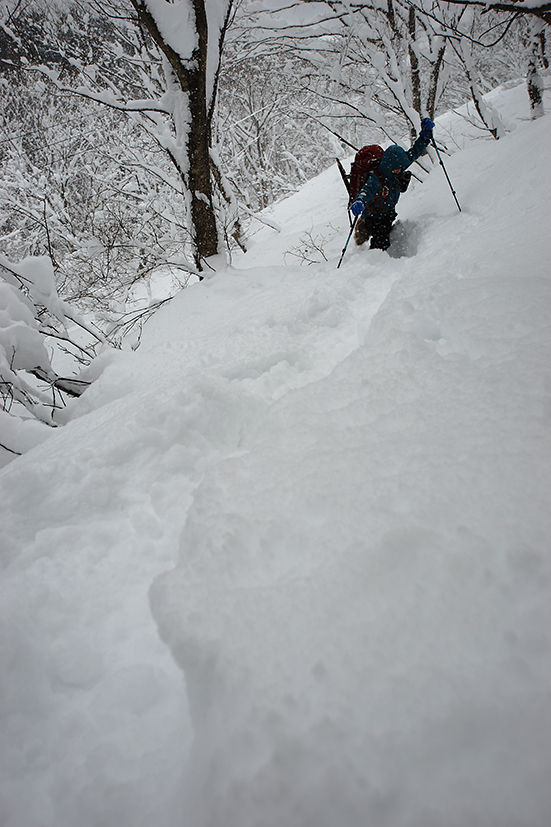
point(377, 199)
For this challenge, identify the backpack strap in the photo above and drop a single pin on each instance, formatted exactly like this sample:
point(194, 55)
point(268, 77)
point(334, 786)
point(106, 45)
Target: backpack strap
point(379, 199)
point(384, 189)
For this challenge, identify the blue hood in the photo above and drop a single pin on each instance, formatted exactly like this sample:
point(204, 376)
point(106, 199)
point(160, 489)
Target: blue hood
point(393, 158)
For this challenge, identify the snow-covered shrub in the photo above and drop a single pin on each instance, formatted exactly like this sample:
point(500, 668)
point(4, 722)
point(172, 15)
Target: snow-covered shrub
point(31, 313)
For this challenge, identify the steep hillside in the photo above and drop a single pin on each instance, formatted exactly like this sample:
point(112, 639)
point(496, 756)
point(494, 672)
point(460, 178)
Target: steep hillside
point(328, 491)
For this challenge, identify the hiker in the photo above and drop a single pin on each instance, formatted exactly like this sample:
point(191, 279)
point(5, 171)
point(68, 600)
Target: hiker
point(378, 197)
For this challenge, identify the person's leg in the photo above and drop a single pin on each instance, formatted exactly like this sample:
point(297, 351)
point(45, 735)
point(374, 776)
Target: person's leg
point(381, 232)
point(362, 231)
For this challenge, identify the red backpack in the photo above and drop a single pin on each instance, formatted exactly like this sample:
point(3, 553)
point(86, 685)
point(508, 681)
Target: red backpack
point(366, 161)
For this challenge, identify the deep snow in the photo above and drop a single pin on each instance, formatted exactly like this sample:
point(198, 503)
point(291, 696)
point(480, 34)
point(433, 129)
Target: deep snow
point(329, 491)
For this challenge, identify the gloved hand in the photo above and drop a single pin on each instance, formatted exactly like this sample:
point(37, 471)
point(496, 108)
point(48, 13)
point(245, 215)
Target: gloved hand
point(357, 207)
point(426, 129)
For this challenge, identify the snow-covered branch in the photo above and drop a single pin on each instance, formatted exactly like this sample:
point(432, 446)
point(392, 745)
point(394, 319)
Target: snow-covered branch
point(30, 311)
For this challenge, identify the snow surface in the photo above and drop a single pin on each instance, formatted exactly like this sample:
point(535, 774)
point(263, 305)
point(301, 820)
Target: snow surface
point(329, 491)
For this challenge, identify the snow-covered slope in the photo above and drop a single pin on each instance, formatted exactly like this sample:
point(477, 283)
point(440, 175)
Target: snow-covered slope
point(329, 491)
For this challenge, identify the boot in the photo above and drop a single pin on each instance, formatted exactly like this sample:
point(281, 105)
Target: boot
point(361, 232)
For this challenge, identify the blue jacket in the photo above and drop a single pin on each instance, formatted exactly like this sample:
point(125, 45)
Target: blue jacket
point(394, 158)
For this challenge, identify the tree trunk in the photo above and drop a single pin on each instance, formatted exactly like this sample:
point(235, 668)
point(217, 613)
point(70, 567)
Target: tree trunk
point(414, 64)
point(434, 80)
point(535, 87)
point(200, 182)
point(192, 79)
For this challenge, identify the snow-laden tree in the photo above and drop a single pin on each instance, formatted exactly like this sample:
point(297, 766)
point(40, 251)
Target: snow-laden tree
point(386, 64)
point(268, 138)
point(529, 8)
point(158, 63)
point(382, 63)
point(463, 47)
point(73, 186)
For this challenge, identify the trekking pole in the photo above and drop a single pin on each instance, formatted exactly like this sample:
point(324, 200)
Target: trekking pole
point(344, 176)
point(346, 181)
point(347, 240)
point(445, 173)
